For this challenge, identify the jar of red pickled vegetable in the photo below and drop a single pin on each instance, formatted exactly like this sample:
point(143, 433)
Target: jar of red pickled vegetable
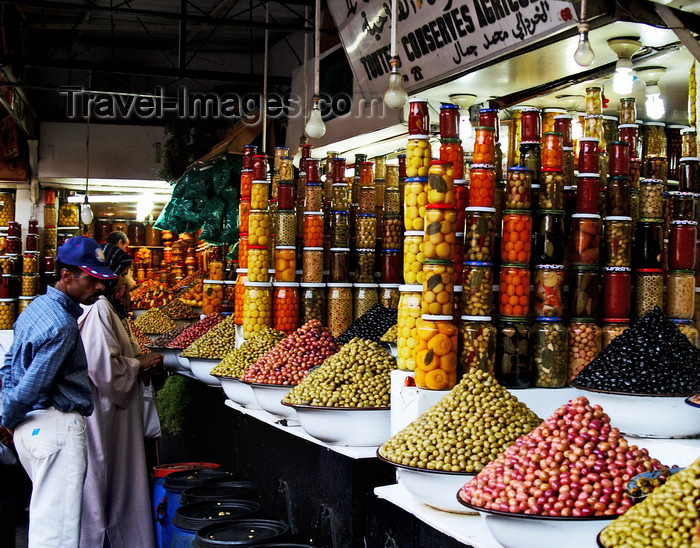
point(552, 146)
point(514, 290)
point(617, 290)
point(587, 189)
point(449, 120)
point(585, 238)
point(392, 265)
point(619, 158)
point(562, 124)
point(531, 125)
point(549, 289)
point(482, 186)
point(588, 155)
point(285, 307)
point(689, 174)
point(681, 246)
point(488, 117)
point(629, 133)
point(516, 237)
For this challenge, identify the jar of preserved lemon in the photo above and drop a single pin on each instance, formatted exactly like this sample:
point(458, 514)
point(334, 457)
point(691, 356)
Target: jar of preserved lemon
point(24, 302)
point(441, 183)
point(285, 263)
point(440, 232)
point(413, 257)
point(68, 215)
point(257, 307)
point(7, 313)
point(438, 287)
point(212, 296)
point(258, 263)
point(408, 314)
point(418, 156)
point(436, 353)
point(415, 200)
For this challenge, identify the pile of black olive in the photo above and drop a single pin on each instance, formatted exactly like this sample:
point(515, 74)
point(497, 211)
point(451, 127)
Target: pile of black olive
point(650, 357)
point(371, 325)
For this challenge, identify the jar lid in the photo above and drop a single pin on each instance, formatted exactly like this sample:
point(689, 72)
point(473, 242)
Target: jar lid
point(567, 149)
point(619, 143)
point(585, 216)
point(562, 116)
point(314, 184)
point(682, 272)
point(682, 321)
point(341, 212)
point(257, 247)
point(459, 235)
point(588, 175)
point(616, 269)
point(658, 124)
point(366, 250)
point(413, 288)
point(460, 182)
point(313, 249)
point(418, 136)
point(389, 286)
point(458, 288)
point(617, 218)
point(530, 144)
point(440, 162)
point(285, 284)
point(552, 170)
point(593, 117)
point(258, 284)
point(32, 253)
point(588, 140)
point(285, 247)
point(414, 233)
point(338, 284)
point(550, 266)
point(582, 320)
point(479, 209)
point(689, 159)
point(8, 300)
point(214, 282)
point(368, 215)
point(287, 211)
point(243, 235)
point(627, 126)
point(390, 251)
point(313, 213)
point(338, 185)
point(484, 128)
point(519, 168)
point(607, 117)
point(552, 211)
point(229, 282)
point(517, 212)
point(683, 194)
point(340, 249)
point(616, 320)
point(369, 285)
point(448, 207)
point(478, 263)
point(688, 223)
point(312, 285)
point(649, 271)
point(416, 179)
point(436, 318)
point(10, 276)
point(555, 133)
point(241, 271)
point(547, 318)
point(438, 262)
point(486, 110)
point(514, 319)
point(260, 182)
point(487, 167)
point(515, 265)
point(618, 177)
point(584, 267)
point(476, 318)
point(569, 187)
point(650, 220)
point(27, 298)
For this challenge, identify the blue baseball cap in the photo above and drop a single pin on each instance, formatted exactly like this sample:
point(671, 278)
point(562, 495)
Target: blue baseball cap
point(87, 255)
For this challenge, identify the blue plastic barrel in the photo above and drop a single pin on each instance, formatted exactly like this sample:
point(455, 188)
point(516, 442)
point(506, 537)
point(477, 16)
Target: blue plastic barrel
point(158, 491)
point(190, 518)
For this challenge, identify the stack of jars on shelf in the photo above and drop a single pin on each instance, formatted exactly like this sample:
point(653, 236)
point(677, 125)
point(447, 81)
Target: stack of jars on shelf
point(50, 223)
point(365, 293)
point(391, 235)
point(213, 290)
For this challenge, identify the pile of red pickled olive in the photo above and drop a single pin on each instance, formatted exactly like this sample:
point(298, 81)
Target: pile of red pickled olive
point(575, 464)
point(294, 356)
point(196, 330)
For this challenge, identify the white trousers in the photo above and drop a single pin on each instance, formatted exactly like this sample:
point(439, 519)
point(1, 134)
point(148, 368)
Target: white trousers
point(52, 448)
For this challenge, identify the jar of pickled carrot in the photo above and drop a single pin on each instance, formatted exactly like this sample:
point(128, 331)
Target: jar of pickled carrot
point(482, 186)
point(516, 239)
point(436, 353)
point(484, 145)
point(451, 151)
point(514, 290)
point(441, 187)
point(243, 251)
point(440, 233)
point(285, 307)
point(241, 280)
point(313, 229)
point(244, 216)
point(285, 263)
point(246, 183)
point(552, 148)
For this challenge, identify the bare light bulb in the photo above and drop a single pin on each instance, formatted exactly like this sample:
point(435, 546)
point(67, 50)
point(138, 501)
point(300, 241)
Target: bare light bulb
point(655, 104)
point(86, 213)
point(623, 79)
point(395, 95)
point(315, 128)
point(584, 54)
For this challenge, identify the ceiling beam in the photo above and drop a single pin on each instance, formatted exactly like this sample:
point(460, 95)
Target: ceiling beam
point(192, 20)
point(153, 71)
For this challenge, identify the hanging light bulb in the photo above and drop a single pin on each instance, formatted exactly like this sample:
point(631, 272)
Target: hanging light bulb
point(465, 127)
point(584, 54)
point(395, 95)
point(655, 104)
point(623, 79)
point(315, 128)
point(86, 214)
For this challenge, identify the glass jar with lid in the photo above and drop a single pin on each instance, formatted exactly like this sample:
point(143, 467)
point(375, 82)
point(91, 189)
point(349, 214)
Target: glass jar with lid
point(258, 263)
point(438, 288)
point(585, 342)
point(680, 294)
point(588, 155)
point(689, 142)
point(619, 159)
point(477, 293)
point(366, 231)
point(368, 199)
point(391, 232)
point(137, 233)
point(440, 233)
point(285, 307)
point(286, 234)
point(340, 313)
point(514, 290)
point(413, 257)
point(530, 157)
point(451, 151)
point(516, 240)
point(285, 263)
point(441, 188)
point(617, 288)
point(618, 241)
point(583, 291)
point(340, 229)
point(7, 313)
point(612, 328)
point(688, 329)
point(549, 238)
point(482, 185)
point(365, 296)
point(313, 229)
point(365, 267)
point(531, 124)
point(654, 139)
point(484, 145)
point(477, 345)
point(259, 228)
point(392, 202)
point(682, 206)
point(585, 239)
point(212, 296)
point(628, 110)
point(480, 234)
point(436, 353)
point(513, 366)
point(260, 194)
point(341, 197)
point(551, 194)
point(549, 290)
point(415, 200)
point(656, 167)
point(23, 303)
point(647, 245)
point(69, 216)
point(587, 187)
point(257, 307)
point(313, 302)
point(518, 188)
point(390, 260)
point(648, 290)
point(681, 251)
point(409, 313)
point(30, 285)
point(548, 339)
point(617, 196)
point(340, 265)
point(313, 264)
point(389, 295)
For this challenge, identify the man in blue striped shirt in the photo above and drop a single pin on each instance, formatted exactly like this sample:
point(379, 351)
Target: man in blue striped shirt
point(47, 394)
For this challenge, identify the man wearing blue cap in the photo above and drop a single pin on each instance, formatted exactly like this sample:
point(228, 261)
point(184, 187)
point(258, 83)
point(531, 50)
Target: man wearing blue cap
point(47, 394)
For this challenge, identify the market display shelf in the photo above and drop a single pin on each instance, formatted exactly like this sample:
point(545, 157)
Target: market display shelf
point(468, 529)
point(296, 430)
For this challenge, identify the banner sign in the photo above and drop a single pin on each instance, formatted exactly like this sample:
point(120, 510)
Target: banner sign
point(439, 38)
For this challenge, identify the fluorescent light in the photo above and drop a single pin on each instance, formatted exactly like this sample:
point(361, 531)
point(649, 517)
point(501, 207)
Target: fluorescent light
point(118, 198)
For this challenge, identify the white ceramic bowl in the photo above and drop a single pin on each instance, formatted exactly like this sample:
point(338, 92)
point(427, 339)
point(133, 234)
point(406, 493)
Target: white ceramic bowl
point(182, 360)
point(524, 531)
point(434, 487)
point(239, 392)
point(169, 358)
point(269, 397)
point(647, 416)
point(356, 426)
point(202, 367)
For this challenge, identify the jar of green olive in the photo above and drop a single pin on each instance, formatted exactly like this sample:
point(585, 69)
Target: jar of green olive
point(477, 295)
point(313, 302)
point(648, 290)
point(477, 348)
point(688, 329)
point(548, 339)
point(339, 307)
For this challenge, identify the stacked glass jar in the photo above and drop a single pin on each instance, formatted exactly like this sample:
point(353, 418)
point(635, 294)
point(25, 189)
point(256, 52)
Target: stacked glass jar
point(366, 232)
point(391, 261)
point(681, 256)
point(50, 223)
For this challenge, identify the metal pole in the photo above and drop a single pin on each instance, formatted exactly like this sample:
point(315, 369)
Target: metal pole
point(263, 103)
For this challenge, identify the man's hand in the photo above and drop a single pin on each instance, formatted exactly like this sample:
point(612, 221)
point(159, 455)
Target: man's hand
point(6, 435)
point(149, 362)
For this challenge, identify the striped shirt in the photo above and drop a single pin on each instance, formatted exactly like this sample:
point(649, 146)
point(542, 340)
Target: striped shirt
point(46, 365)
